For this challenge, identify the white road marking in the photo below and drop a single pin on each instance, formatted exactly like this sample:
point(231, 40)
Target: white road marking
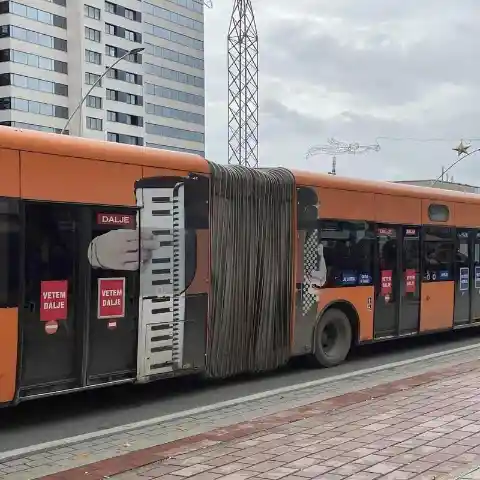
point(40, 447)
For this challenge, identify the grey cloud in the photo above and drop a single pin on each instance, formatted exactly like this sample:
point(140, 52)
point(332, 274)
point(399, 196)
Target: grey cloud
point(382, 71)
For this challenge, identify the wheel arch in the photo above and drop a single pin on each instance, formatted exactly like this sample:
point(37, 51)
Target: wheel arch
point(348, 309)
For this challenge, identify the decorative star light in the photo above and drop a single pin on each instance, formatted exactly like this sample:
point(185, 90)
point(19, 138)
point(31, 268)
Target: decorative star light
point(461, 149)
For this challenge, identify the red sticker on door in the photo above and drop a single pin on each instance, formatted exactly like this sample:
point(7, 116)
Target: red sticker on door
point(410, 280)
point(111, 297)
point(386, 282)
point(53, 300)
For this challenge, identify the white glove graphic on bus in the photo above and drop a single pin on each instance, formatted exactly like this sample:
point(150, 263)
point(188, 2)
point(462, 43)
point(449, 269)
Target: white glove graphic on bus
point(119, 249)
point(318, 278)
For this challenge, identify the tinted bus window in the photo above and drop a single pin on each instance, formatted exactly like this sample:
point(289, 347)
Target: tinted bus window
point(438, 254)
point(348, 251)
point(9, 253)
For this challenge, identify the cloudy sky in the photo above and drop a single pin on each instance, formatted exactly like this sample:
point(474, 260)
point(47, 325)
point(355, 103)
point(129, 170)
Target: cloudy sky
point(357, 70)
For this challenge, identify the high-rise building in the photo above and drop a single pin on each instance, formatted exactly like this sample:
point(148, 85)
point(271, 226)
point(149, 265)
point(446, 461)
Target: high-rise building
point(52, 51)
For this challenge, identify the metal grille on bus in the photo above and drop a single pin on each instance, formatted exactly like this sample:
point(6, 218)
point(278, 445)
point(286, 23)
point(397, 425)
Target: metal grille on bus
point(162, 303)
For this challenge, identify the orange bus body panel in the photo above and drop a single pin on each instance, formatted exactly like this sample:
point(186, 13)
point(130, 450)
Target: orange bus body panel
point(358, 298)
point(10, 178)
point(436, 308)
point(467, 215)
point(345, 204)
point(397, 209)
point(8, 353)
point(68, 179)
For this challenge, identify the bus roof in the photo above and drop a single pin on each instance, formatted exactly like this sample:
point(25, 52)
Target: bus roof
point(65, 145)
point(382, 187)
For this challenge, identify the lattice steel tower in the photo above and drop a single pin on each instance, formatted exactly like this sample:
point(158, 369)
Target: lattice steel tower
point(243, 86)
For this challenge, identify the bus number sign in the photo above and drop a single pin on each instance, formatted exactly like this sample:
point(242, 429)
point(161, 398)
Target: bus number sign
point(53, 300)
point(111, 297)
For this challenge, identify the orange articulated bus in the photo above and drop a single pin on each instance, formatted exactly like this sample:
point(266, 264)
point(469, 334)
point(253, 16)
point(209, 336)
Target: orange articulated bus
point(126, 264)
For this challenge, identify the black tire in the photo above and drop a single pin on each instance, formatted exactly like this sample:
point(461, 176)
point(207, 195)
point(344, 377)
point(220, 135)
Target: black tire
point(333, 338)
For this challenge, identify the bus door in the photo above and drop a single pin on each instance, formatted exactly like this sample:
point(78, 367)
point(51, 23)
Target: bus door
point(52, 299)
point(437, 293)
point(113, 254)
point(463, 277)
point(475, 290)
point(410, 281)
point(387, 281)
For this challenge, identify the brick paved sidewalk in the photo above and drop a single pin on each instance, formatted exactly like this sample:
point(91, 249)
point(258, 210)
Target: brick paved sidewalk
point(423, 427)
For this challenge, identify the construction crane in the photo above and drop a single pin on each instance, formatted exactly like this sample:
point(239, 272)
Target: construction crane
point(335, 148)
point(243, 86)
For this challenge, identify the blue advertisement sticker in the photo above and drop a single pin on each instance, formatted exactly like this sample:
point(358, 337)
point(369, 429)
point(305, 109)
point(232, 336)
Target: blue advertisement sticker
point(349, 278)
point(464, 278)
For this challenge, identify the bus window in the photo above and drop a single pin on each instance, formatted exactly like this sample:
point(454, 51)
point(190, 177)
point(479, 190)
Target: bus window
point(348, 251)
point(9, 253)
point(438, 254)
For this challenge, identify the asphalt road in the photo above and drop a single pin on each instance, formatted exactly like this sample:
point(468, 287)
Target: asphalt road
point(54, 418)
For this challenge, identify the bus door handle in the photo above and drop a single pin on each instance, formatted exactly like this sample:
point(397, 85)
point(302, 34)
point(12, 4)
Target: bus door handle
point(30, 306)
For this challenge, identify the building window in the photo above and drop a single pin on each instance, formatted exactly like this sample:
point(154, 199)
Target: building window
point(93, 57)
point(129, 35)
point(30, 126)
point(37, 15)
point(124, 97)
point(123, 12)
point(37, 84)
point(94, 123)
point(110, 51)
point(30, 106)
point(173, 17)
point(35, 37)
point(173, 56)
point(120, 138)
point(174, 75)
point(124, 76)
point(110, 7)
point(33, 60)
point(93, 35)
point(171, 132)
point(110, 29)
point(111, 94)
point(174, 37)
point(193, 5)
point(176, 95)
point(94, 102)
point(92, 12)
point(175, 149)
point(127, 119)
point(167, 112)
point(92, 78)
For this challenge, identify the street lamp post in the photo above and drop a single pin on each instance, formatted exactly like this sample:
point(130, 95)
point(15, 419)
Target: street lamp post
point(134, 51)
point(462, 151)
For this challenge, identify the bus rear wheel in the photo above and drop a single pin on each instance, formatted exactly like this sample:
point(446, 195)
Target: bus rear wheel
point(333, 338)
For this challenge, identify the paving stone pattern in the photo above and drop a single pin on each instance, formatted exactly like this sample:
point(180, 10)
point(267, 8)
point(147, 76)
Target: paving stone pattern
point(115, 447)
point(420, 433)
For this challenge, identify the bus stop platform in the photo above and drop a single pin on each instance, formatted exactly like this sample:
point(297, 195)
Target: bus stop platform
point(423, 423)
